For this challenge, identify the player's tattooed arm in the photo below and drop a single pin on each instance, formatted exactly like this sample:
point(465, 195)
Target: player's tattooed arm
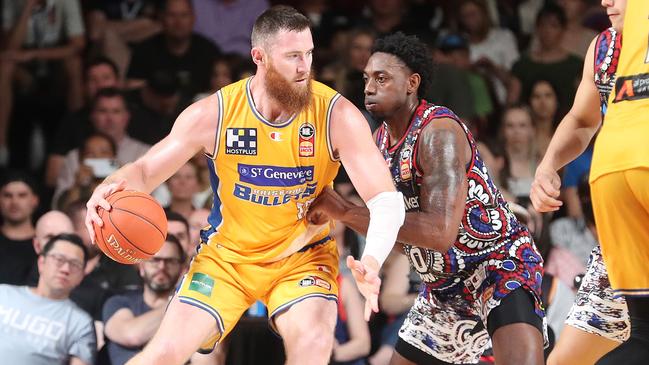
point(442, 155)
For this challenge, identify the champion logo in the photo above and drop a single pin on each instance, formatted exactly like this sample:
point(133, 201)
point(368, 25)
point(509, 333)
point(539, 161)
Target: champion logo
point(276, 136)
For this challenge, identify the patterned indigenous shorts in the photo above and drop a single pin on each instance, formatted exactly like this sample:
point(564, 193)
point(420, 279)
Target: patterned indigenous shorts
point(595, 310)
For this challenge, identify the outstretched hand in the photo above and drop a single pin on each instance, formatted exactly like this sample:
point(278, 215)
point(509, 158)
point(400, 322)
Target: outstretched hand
point(366, 275)
point(98, 200)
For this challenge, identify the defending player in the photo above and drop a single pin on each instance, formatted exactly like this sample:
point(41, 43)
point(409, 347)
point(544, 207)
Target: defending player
point(480, 270)
point(274, 142)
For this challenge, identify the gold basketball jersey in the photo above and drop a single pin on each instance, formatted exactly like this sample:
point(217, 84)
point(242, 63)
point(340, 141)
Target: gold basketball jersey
point(623, 142)
point(265, 176)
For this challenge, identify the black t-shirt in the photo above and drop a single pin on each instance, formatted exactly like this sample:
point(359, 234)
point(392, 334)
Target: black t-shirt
point(192, 68)
point(16, 260)
point(72, 131)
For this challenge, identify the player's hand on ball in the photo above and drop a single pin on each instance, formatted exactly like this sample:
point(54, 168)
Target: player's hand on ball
point(98, 200)
point(366, 275)
point(545, 190)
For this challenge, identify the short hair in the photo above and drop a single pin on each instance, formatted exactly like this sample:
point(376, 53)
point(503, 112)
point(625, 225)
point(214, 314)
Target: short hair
point(176, 242)
point(552, 10)
point(174, 216)
point(109, 92)
point(413, 53)
point(275, 19)
point(105, 136)
point(11, 176)
point(67, 237)
point(101, 60)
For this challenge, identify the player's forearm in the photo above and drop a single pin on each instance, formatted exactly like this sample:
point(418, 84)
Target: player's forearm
point(418, 229)
point(352, 349)
point(135, 176)
point(569, 141)
point(395, 304)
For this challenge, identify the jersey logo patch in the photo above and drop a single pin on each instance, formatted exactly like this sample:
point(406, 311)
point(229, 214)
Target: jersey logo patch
point(265, 175)
point(201, 283)
point(314, 281)
point(632, 87)
point(306, 135)
point(241, 141)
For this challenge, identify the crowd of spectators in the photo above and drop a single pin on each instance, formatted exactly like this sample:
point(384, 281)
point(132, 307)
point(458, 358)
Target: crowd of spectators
point(88, 86)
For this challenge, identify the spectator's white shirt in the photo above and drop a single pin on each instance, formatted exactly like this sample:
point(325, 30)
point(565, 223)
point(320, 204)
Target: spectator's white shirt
point(500, 47)
point(49, 25)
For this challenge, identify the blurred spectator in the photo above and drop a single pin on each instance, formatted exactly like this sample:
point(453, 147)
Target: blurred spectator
point(131, 319)
point(492, 153)
point(109, 115)
point(352, 334)
point(398, 292)
point(491, 48)
point(228, 23)
point(18, 201)
point(49, 225)
point(223, 73)
point(545, 113)
point(389, 16)
point(100, 73)
point(95, 161)
point(521, 157)
point(197, 221)
point(41, 324)
point(115, 24)
point(204, 197)
point(577, 37)
point(37, 32)
point(182, 186)
point(579, 236)
point(156, 106)
point(178, 226)
point(177, 50)
point(550, 61)
point(348, 72)
point(454, 76)
point(573, 174)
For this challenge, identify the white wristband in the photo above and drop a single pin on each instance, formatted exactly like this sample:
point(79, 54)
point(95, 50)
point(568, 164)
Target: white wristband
point(387, 213)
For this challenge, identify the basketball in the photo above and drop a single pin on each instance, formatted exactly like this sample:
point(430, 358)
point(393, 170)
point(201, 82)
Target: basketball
point(134, 229)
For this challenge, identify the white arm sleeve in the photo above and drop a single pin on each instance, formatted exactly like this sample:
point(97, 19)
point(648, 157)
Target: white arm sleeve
point(387, 213)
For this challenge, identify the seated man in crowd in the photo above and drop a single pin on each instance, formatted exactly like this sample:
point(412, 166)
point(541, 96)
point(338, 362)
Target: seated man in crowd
point(40, 325)
point(132, 319)
point(18, 201)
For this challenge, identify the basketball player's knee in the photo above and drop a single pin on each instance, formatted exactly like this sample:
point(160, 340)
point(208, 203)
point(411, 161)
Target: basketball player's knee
point(164, 352)
point(316, 339)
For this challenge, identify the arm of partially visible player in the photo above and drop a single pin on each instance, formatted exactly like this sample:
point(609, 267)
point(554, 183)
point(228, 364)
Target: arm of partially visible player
point(352, 142)
point(193, 130)
point(571, 138)
point(77, 361)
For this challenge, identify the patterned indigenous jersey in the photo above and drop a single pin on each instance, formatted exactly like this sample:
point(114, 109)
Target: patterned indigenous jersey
point(490, 240)
point(607, 54)
point(622, 142)
point(266, 175)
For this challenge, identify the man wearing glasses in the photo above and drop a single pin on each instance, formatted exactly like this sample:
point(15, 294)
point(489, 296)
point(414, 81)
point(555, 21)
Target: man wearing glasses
point(131, 319)
point(40, 325)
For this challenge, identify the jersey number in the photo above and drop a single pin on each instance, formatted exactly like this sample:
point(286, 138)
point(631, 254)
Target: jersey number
point(302, 208)
point(417, 259)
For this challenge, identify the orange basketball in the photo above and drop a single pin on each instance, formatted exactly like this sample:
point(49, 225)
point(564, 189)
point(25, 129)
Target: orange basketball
point(134, 229)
